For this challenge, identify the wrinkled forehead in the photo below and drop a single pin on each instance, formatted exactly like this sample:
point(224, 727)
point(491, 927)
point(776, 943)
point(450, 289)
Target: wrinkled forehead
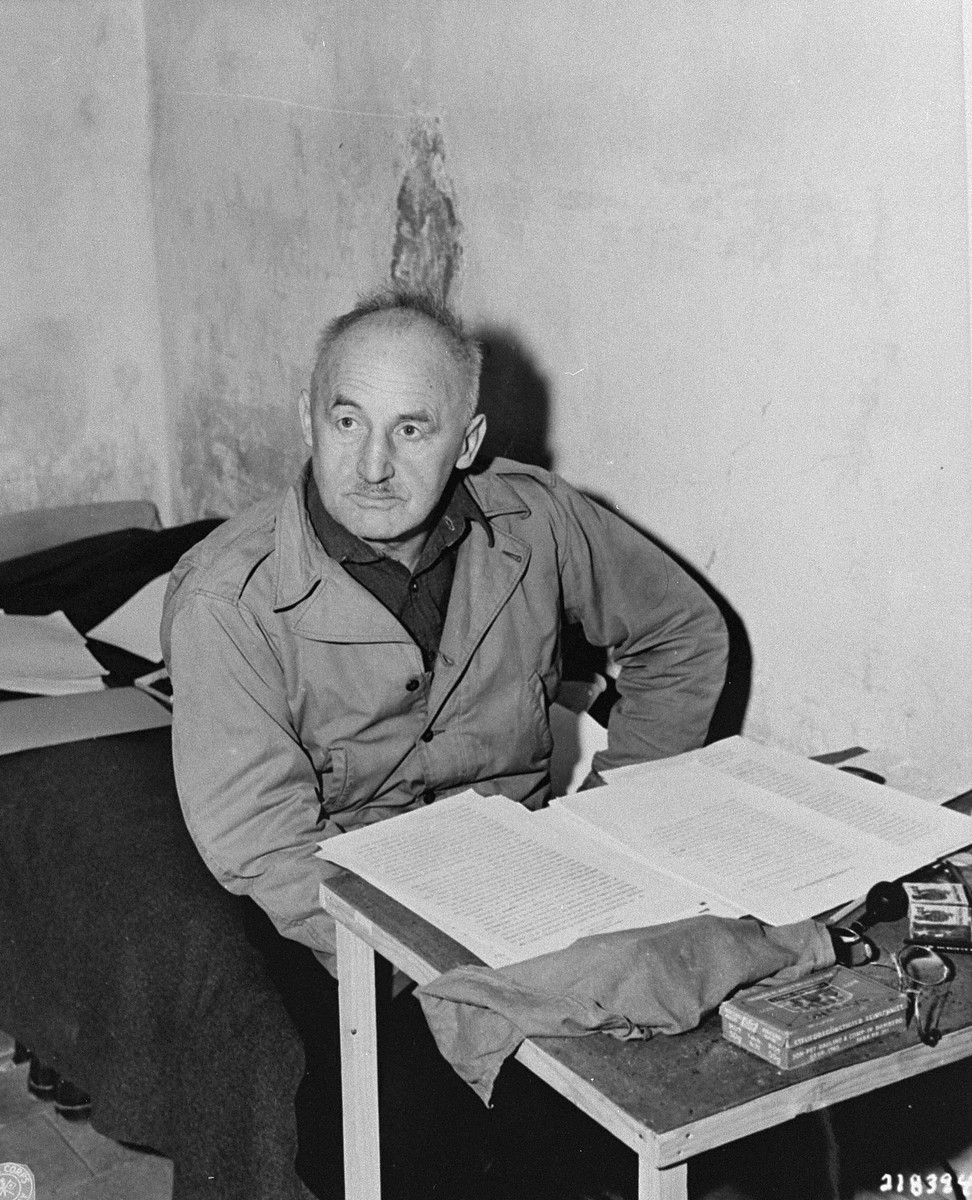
point(388, 354)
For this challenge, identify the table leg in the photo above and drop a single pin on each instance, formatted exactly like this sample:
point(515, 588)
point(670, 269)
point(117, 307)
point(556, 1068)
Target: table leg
point(669, 1183)
point(359, 1066)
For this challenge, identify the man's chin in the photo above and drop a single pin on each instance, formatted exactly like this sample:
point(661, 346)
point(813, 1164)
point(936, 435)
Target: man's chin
point(378, 525)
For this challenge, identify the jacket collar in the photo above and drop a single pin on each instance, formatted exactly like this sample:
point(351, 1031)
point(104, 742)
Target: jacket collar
point(456, 509)
point(324, 602)
point(302, 561)
point(495, 497)
point(487, 575)
point(301, 558)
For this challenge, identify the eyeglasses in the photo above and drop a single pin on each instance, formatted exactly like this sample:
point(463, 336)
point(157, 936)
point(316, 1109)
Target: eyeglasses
point(925, 977)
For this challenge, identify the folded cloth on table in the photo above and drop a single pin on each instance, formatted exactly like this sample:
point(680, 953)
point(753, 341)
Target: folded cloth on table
point(631, 984)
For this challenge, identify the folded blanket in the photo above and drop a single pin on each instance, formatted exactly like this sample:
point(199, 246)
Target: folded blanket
point(631, 984)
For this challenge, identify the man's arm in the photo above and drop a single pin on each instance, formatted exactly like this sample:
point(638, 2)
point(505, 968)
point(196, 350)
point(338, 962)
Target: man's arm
point(667, 636)
point(247, 787)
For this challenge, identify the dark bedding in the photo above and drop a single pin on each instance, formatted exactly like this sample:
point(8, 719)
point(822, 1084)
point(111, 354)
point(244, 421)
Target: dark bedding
point(89, 578)
point(130, 970)
point(125, 965)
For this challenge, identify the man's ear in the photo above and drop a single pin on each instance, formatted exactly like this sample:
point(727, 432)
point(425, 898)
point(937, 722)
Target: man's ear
point(305, 417)
point(472, 440)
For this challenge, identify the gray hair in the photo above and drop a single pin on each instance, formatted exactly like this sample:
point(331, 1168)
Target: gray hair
point(408, 305)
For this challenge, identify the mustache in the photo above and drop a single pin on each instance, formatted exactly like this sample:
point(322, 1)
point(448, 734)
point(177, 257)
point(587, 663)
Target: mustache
point(375, 491)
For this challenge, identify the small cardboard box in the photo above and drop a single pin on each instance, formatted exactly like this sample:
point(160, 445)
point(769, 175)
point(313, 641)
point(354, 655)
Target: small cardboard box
point(793, 1024)
point(938, 914)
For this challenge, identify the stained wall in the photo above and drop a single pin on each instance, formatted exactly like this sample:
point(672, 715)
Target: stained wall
point(81, 409)
point(720, 252)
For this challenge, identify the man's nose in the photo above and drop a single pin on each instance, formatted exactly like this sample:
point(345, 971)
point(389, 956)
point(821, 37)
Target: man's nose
point(375, 463)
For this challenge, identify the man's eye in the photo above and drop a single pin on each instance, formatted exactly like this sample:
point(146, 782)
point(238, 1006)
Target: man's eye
point(345, 422)
point(411, 432)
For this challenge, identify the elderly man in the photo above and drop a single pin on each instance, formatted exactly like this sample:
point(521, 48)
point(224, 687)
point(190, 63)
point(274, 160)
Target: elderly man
point(389, 631)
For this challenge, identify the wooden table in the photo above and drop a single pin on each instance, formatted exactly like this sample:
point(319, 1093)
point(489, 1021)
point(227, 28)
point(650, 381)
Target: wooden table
point(668, 1099)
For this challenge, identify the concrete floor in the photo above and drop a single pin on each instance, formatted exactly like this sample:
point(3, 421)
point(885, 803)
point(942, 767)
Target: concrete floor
point(71, 1161)
point(549, 1152)
point(68, 1159)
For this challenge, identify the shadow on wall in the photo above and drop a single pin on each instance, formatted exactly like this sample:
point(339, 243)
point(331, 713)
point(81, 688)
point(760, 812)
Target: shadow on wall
point(516, 400)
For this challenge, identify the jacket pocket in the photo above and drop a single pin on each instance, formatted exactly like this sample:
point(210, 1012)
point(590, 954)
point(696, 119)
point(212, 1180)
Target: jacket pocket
point(333, 779)
point(540, 704)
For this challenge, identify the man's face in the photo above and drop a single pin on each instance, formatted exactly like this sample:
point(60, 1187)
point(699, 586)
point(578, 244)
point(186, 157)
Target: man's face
point(387, 429)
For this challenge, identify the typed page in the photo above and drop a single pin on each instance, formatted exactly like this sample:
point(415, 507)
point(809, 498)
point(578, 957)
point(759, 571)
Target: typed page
point(911, 833)
point(745, 845)
point(780, 836)
point(506, 883)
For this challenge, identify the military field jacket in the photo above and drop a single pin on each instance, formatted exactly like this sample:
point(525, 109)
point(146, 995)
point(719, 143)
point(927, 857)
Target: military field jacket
point(301, 704)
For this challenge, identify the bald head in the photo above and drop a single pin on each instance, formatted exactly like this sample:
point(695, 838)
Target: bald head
point(394, 311)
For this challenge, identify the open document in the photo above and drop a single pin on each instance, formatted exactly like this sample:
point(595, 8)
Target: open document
point(735, 828)
point(507, 883)
point(780, 836)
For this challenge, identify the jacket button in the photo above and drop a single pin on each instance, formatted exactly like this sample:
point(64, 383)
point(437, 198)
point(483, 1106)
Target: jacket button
point(428, 735)
point(428, 796)
point(412, 685)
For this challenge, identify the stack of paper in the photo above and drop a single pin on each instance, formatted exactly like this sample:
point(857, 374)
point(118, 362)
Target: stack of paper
point(46, 656)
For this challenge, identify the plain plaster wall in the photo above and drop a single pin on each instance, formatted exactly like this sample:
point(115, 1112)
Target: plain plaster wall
point(81, 408)
point(273, 208)
point(734, 236)
point(729, 240)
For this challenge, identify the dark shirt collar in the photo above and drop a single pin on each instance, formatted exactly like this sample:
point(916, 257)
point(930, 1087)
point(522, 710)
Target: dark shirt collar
point(458, 509)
